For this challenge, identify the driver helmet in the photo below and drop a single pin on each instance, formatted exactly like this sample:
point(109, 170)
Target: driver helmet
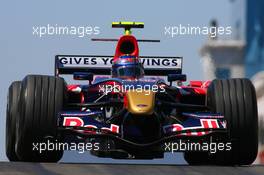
point(127, 67)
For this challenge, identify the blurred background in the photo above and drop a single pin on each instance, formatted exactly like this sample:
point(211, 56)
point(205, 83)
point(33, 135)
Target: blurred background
point(240, 54)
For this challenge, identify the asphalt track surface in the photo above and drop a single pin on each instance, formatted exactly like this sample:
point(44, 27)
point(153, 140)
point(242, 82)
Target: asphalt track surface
point(22, 168)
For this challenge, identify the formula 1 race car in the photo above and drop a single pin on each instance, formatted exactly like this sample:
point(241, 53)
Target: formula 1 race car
point(126, 110)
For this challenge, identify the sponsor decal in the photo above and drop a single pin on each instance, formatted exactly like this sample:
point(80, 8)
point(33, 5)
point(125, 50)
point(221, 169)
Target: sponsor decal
point(142, 105)
point(76, 121)
point(205, 124)
point(104, 61)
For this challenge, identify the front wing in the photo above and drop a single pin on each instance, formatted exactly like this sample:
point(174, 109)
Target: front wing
point(195, 125)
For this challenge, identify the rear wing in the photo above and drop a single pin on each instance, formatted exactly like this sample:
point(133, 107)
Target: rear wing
point(101, 65)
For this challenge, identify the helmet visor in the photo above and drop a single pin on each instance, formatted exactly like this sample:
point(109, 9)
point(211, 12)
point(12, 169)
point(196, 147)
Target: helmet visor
point(131, 71)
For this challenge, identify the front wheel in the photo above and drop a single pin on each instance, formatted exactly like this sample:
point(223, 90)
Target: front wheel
point(41, 100)
point(236, 100)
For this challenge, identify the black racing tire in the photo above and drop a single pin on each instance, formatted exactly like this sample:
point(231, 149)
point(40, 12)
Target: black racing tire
point(236, 100)
point(42, 98)
point(11, 116)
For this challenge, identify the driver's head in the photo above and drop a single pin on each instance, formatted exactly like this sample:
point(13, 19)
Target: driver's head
point(127, 67)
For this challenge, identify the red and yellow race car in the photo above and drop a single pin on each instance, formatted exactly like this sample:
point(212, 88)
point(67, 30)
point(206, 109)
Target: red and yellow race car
point(126, 109)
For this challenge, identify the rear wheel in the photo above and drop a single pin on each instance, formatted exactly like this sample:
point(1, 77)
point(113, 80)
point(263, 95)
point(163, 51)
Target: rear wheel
point(11, 117)
point(236, 100)
point(41, 99)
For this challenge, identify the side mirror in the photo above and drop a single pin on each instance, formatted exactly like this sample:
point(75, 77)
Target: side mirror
point(176, 77)
point(83, 76)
